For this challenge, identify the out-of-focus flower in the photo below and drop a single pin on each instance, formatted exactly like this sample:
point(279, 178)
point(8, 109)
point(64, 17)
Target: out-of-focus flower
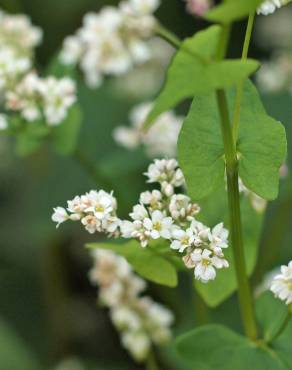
point(11, 68)
point(160, 139)
point(70, 363)
point(198, 7)
point(282, 284)
point(35, 97)
point(18, 34)
point(259, 204)
point(145, 80)
point(276, 75)
point(140, 321)
point(112, 41)
point(270, 6)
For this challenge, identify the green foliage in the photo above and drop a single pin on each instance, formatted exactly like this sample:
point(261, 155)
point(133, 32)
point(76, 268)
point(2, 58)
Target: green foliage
point(231, 10)
point(65, 135)
point(261, 146)
point(216, 347)
point(147, 262)
point(29, 135)
point(13, 352)
point(271, 314)
point(192, 71)
point(215, 210)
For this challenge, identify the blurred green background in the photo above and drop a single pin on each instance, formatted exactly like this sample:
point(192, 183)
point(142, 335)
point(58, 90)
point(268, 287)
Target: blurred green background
point(47, 306)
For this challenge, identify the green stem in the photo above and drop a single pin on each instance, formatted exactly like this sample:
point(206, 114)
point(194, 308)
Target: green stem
point(281, 329)
point(240, 85)
point(151, 363)
point(172, 39)
point(244, 293)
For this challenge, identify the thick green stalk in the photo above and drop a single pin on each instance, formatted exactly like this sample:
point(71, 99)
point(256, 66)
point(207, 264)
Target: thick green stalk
point(244, 293)
point(240, 85)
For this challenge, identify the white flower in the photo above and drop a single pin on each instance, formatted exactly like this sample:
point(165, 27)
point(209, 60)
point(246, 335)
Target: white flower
point(60, 215)
point(138, 344)
point(180, 206)
point(139, 212)
point(206, 264)
point(282, 284)
point(153, 199)
point(140, 321)
point(12, 67)
point(34, 96)
point(158, 225)
point(126, 137)
point(17, 33)
point(3, 122)
point(182, 239)
point(202, 234)
point(165, 172)
point(270, 6)
point(72, 50)
point(58, 96)
point(259, 204)
point(97, 212)
point(142, 7)
point(218, 238)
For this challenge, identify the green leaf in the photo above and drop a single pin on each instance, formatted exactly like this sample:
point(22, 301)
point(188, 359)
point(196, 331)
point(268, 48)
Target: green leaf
point(215, 210)
point(232, 10)
point(14, 353)
point(217, 347)
point(271, 314)
point(145, 261)
point(261, 146)
point(65, 135)
point(30, 136)
point(188, 76)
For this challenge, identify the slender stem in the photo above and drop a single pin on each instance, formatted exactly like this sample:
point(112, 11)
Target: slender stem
point(223, 41)
point(172, 39)
point(281, 329)
point(151, 363)
point(240, 85)
point(244, 293)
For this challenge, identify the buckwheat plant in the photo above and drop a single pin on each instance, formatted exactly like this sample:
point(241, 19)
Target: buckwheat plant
point(208, 188)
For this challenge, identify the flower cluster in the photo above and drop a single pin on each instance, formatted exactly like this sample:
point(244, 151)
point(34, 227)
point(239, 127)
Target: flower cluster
point(270, 6)
point(282, 284)
point(112, 41)
point(162, 213)
point(198, 7)
point(21, 89)
point(35, 97)
point(159, 140)
point(141, 321)
point(96, 210)
point(18, 38)
point(18, 34)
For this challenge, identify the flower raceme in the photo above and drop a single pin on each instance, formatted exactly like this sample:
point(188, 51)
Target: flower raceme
point(112, 41)
point(140, 321)
point(160, 214)
point(282, 284)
